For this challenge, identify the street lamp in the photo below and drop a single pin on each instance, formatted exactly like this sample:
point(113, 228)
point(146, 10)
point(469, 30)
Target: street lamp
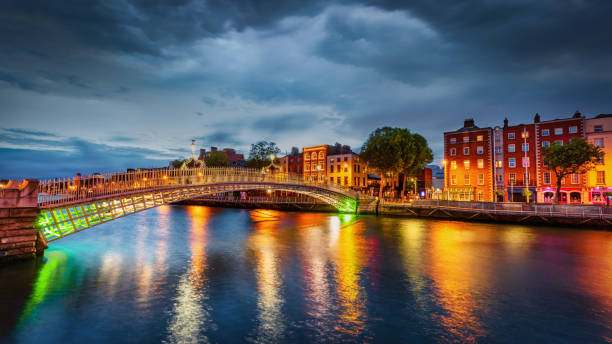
point(444, 162)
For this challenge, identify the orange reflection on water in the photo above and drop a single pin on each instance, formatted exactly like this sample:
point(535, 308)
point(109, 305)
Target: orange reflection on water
point(264, 245)
point(190, 314)
point(594, 271)
point(349, 261)
point(457, 275)
point(199, 217)
point(314, 247)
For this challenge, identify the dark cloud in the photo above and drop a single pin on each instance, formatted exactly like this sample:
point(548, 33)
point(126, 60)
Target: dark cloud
point(420, 64)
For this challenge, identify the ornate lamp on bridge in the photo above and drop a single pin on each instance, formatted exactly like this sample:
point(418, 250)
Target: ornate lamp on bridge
point(272, 167)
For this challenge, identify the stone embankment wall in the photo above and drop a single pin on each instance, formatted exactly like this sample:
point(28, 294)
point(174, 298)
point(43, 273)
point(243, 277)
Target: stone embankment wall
point(19, 238)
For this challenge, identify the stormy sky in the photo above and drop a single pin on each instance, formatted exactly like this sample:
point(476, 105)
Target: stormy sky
point(103, 85)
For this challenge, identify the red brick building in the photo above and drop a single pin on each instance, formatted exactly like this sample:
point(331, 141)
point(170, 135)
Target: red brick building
point(468, 156)
point(292, 163)
point(519, 161)
point(314, 159)
point(559, 131)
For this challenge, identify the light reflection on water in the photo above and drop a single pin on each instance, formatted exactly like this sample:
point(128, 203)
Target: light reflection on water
point(198, 274)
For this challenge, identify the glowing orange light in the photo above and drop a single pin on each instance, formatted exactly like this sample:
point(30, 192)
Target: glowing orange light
point(165, 177)
point(200, 174)
point(145, 179)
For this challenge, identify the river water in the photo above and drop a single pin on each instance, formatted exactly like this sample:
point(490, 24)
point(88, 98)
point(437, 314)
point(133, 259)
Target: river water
point(188, 274)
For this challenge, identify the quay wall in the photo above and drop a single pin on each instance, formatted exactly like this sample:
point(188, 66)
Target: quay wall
point(19, 238)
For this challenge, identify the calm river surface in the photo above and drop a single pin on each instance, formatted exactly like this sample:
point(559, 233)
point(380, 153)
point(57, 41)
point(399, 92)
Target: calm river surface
point(180, 274)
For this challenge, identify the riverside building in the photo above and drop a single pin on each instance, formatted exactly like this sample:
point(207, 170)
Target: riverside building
point(516, 171)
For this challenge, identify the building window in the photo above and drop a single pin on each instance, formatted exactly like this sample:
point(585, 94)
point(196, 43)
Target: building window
point(481, 179)
point(598, 129)
point(525, 147)
point(453, 151)
point(511, 148)
point(466, 150)
point(559, 142)
point(346, 181)
point(479, 150)
point(466, 139)
point(525, 161)
point(499, 163)
point(512, 178)
point(558, 131)
point(453, 140)
point(500, 179)
point(480, 163)
point(546, 177)
point(601, 159)
point(498, 149)
point(601, 177)
point(466, 164)
point(306, 156)
point(321, 155)
point(545, 132)
point(331, 168)
point(453, 180)
point(510, 136)
point(599, 143)
point(511, 162)
point(575, 178)
point(313, 156)
point(307, 167)
point(545, 143)
point(453, 165)
point(466, 179)
point(573, 130)
point(479, 138)
point(480, 195)
point(525, 134)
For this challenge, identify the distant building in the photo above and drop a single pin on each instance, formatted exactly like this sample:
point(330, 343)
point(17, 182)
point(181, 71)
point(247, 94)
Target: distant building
point(468, 153)
point(292, 163)
point(598, 131)
point(233, 158)
point(347, 169)
point(315, 159)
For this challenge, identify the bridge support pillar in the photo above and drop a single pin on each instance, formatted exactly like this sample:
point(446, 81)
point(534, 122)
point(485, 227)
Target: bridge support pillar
point(19, 238)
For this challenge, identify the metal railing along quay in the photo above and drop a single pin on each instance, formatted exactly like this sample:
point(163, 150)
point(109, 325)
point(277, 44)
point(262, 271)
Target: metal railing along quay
point(515, 208)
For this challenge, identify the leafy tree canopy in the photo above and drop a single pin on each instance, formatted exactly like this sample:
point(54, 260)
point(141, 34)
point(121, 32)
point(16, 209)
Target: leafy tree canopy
point(396, 150)
point(259, 155)
point(216, 159)
point(578, 156)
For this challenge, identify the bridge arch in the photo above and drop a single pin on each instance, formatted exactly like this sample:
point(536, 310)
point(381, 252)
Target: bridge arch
point(74, 209)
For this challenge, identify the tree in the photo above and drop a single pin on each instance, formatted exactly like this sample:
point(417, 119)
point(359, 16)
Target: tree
point(177, 163)
point(216, 159)
point(578, 156)
point(394, 151)
point(260, 153)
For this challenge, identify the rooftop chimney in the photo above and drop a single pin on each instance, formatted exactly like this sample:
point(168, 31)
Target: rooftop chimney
point(577, 114)
point(506, 122)
point(468, 123)
point(536, 118)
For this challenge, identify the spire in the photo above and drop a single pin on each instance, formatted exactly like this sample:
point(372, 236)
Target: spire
point(536, 118)
point(577, 114)
point(506, 122)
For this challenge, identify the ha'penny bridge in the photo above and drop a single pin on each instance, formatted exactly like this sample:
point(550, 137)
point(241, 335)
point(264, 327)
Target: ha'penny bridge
point(34, 212)
point(72, 205)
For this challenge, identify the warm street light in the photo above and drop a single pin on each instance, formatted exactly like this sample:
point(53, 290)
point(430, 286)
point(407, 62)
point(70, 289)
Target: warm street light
point(272, 156)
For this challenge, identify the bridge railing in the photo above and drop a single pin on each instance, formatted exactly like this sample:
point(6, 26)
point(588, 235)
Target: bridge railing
point(82, 188)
